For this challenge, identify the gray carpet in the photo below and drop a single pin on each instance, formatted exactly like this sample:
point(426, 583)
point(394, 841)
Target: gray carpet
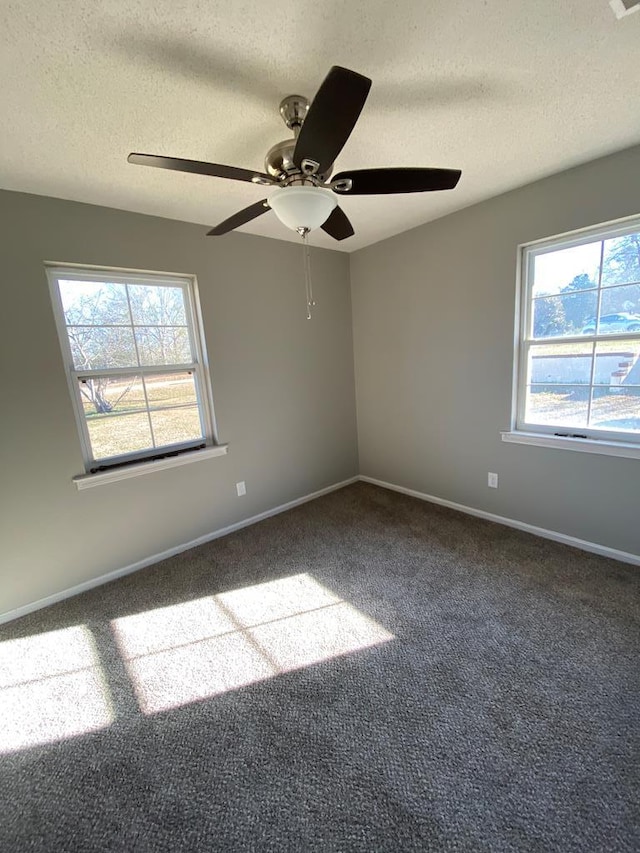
point(497, 708)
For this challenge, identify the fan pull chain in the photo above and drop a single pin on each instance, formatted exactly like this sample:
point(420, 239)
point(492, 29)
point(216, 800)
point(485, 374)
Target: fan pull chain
point(307, 273)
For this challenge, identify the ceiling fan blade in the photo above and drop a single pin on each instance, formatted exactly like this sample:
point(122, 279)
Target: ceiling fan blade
point(240, 218)
point(401, 180)
point(198, 167)
point(338, 225)
point(331, 117)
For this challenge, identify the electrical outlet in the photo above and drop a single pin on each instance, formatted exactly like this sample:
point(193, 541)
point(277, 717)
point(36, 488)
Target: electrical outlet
point(492, 480)
point(241, 488)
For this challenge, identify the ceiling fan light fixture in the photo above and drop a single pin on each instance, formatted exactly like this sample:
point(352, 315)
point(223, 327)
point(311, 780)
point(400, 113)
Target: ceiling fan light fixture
point(299, 168)
point(302, 208)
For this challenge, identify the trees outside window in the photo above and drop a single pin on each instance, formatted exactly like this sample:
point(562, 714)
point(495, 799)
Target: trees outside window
point(579, 349)
point(135, 362)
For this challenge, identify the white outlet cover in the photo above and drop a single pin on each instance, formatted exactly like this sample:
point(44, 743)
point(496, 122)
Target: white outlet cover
point(492, 480)
point(241, 488)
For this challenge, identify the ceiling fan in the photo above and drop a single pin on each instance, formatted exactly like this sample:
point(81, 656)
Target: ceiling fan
point(299, 169)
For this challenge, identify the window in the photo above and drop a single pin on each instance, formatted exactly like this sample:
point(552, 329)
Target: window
point(134, 355)
point(579, 346)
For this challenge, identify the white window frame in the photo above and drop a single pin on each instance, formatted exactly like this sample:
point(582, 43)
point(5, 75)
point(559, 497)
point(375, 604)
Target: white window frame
point(104, 470)
point(589, 439)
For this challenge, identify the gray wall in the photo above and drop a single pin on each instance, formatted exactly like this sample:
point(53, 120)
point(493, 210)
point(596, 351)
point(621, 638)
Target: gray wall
point(433, 319)
point(433, 313)
point(283, 393)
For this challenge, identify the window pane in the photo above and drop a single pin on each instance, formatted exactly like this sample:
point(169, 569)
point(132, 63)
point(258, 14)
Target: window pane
point(112, 394)
point(154, 305)
point(616, 408)
point(114, 435)
point(571, 386)
point(563, 364)
point(561, 405)
point(617, 363)
point(621, 261)
point(94, 303)
point(171, 426)
point(102, 348)
point(576, 268)
point(620, 309)
point(163, 345)
point(130, 331)
point(557, 316)
point(171, 389)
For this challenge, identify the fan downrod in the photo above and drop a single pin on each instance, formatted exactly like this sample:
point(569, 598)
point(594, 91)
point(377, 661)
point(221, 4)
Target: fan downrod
point(294, 109)
point(279, 160)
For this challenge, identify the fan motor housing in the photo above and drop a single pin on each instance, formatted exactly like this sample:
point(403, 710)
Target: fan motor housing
point(279, 161)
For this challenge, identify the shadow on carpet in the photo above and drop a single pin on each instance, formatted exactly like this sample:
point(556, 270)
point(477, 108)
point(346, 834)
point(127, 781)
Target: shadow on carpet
point(366, 672)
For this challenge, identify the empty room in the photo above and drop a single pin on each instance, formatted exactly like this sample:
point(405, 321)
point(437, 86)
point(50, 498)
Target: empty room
point(320, 475)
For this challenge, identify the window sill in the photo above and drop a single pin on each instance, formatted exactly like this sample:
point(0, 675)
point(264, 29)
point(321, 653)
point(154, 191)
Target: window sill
point(88, 481)
point(583, 445)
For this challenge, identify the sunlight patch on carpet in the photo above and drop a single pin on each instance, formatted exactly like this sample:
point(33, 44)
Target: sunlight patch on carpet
point(51, 687)
point(191, 651)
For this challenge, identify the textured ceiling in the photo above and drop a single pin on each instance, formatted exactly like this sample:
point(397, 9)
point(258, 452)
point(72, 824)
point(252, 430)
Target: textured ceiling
point(506, 91)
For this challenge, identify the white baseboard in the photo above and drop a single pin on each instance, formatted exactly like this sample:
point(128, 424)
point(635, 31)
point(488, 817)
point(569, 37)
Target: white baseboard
point(171, 552)
point(583, 544)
